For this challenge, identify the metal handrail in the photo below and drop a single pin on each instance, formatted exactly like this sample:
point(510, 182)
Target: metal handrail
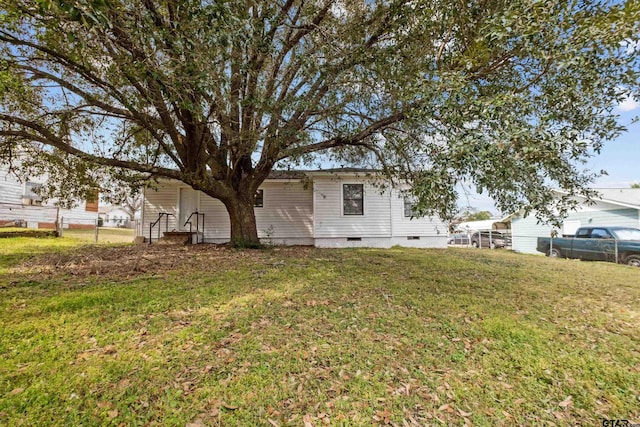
point(188, 221)
point(153, 224)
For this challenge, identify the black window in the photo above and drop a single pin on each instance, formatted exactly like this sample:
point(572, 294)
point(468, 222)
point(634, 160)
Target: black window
point(353, 199)
point(409, 206)
point(258, 200)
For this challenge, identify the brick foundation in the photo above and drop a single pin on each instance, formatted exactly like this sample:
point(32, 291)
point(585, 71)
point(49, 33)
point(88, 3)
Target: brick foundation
point(49, 225)
point(81, 226)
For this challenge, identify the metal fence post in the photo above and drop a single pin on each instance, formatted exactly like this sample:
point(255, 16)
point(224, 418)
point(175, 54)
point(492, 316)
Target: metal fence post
point(615, 244)
point(96, 231)
point(61, 226)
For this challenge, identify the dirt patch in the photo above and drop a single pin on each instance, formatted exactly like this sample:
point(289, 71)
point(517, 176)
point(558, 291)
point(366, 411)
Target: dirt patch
point(131, 261)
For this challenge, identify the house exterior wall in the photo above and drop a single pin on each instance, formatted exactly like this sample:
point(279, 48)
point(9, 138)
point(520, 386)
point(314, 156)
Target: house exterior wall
point(13, 209)
point(285, 218)
point(329, 220)
point(382, 225)
point(429, 228)
point(526, 231)
point(116, 217)
point(288, 216)
point(162, 199)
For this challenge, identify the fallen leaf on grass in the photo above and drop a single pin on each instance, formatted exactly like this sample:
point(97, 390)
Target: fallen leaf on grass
point(307, 420)
point(273, 423)
point(17, 391)
point(229, 407)
point(445, 407)
point(567, 402)
point(112, 414)
point(464, 414)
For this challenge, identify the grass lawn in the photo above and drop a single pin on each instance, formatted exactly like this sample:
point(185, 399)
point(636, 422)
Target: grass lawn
point(203, 335)
point(105, 235)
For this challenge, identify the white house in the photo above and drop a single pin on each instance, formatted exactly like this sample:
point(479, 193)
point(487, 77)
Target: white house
point(343, 208)
point(20, 204)
point(114, 216)
point(615, 207)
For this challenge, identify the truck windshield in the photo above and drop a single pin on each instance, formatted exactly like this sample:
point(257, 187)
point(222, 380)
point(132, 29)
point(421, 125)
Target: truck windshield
point(627, 233)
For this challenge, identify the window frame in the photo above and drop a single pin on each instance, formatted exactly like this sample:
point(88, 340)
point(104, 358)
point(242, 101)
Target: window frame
point(28, 194)
point(412, 203)
point(343, 199)
point(258, 196)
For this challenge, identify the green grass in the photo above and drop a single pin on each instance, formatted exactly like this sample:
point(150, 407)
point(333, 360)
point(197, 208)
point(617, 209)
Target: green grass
point(105, 235)
point(209, 336)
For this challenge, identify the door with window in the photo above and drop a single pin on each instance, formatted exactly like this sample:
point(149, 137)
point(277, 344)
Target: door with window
point(188, 205)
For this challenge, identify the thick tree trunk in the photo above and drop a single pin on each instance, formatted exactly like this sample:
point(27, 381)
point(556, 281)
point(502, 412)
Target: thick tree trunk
point(244, 232)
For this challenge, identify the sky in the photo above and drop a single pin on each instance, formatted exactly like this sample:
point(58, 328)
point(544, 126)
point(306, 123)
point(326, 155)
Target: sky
point(620, 158)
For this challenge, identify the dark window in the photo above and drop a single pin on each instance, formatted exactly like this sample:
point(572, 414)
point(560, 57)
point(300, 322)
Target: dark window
point(354, 239)
point(599, 233)
point(413, 237)
point(583, 233)
point(409, 206)
point(258, 201)
point(353, 199)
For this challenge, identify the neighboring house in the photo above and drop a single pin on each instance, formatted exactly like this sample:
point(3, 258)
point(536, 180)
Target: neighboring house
point(114, 216)
point(21, 205)
point(616, 207)
point(337, 208)
point(495, 224)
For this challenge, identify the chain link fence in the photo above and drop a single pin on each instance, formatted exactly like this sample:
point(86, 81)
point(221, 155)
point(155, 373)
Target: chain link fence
point(593, 249)
point(92, 230)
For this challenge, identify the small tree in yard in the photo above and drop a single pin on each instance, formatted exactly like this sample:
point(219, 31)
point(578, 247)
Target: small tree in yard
point(513, 95)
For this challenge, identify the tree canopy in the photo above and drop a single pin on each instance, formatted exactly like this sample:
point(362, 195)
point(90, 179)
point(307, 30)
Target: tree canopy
point(510, 95)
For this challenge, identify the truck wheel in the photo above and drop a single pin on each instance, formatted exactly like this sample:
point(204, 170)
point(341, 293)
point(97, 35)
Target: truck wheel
point(633, 260)
point(554, 253)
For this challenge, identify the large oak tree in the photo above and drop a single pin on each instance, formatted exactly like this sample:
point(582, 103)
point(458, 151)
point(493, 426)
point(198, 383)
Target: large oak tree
point(512, 96)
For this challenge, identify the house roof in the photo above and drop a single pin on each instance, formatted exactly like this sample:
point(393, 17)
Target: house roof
point(286, 174)
point(626, 197)
point(105, 209)
point(300, 174)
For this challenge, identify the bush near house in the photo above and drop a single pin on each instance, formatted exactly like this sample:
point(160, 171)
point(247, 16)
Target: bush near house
point(205, 335)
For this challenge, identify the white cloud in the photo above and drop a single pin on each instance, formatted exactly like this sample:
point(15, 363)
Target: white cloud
point(629, 104)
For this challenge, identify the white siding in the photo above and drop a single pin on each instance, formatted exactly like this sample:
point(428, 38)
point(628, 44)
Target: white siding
point(32, 215)
point(405, 226)
point(12, 208)
point(287, 212)
point(286, 217)
point(10, 189)
point(296, 214)
point(217, 227)
point(162, 199)
point(525, 233)
point(329, 222)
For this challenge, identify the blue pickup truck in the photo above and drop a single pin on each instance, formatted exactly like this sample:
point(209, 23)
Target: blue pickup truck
point(621, 244)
